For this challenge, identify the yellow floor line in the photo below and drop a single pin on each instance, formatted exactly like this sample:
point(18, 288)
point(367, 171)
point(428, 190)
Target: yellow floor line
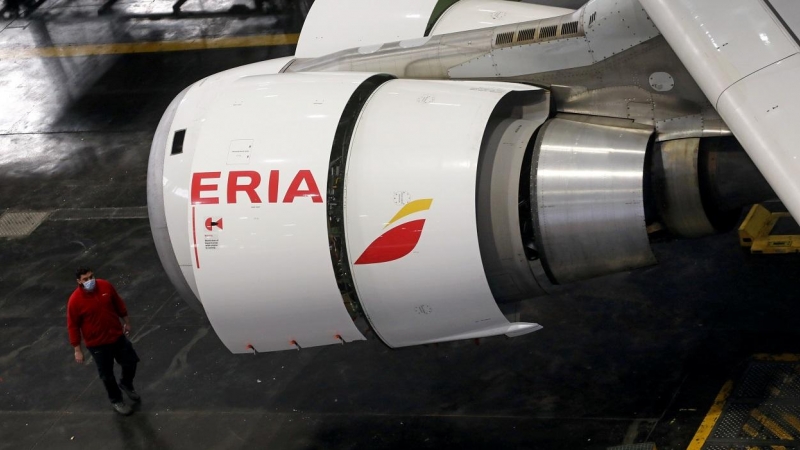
point(711, 418)
point(749, 430)
point(785, 357)
point(771, 425)
point(150, 47)
point(792, 420)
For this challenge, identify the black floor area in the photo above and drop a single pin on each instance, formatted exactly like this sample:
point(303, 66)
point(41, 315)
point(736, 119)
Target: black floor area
point(633, 357)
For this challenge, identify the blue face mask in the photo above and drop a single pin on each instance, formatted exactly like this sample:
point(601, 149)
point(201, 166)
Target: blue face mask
point(89, 285)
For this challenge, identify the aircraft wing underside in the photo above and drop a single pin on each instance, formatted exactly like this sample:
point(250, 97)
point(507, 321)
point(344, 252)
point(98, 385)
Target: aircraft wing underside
point(747, 62)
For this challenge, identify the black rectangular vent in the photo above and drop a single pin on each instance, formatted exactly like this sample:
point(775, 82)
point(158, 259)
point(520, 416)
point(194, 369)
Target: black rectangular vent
point(592, 18)
point(177, 142)
point(504, 38)
point(526, 35)
point(569, 28)
point(548, 32)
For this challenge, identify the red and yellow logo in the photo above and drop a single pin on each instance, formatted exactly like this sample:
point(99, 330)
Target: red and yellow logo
point(400, 240)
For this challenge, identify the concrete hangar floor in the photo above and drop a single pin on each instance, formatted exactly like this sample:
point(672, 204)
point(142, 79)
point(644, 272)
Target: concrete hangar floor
point(630, 358)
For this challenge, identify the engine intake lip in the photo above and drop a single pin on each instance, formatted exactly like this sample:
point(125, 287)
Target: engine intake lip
point(155, 206)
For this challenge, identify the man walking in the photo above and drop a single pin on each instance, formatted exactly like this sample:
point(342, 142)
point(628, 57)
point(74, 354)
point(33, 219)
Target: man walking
point(93, 311)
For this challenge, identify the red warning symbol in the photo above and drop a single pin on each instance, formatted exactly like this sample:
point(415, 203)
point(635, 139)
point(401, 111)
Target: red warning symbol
point(210, 224)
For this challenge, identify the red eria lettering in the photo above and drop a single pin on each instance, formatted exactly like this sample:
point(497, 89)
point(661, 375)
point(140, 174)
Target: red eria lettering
point(248, 188)
point(242, 184)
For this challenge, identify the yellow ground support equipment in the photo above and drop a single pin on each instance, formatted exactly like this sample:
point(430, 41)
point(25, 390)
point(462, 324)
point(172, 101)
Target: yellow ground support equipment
point(754, 232)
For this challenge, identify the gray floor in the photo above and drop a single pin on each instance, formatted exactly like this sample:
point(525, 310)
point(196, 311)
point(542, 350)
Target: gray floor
point(627, 358)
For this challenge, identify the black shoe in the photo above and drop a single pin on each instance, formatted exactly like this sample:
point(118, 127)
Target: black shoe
point(131, 393)
point(122, 408)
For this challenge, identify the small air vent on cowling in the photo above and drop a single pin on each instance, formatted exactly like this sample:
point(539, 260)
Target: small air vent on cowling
point(526, 35)
point(569, 28)
point(548, 32)
point(592, 18)
point(504, 38)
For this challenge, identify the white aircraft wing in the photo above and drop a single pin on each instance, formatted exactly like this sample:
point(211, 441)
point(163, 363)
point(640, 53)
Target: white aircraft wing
point(745, 59)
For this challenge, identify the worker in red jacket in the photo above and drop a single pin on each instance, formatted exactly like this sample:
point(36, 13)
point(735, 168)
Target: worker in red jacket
point(94, 311)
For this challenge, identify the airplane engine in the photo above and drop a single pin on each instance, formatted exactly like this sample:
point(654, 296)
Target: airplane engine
point(587, 198)
point(289, 205)
point(701, 185)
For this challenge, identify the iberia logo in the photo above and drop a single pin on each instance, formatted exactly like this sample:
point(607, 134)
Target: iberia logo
point(400, 240)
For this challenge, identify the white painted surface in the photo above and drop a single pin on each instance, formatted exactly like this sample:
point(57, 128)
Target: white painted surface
point(617, 26)
point(763, 111)
point(269, 279)
point(527, 59)
point(421, 140)
point(721, 41)
point(740, 59)
point(177, 168)
point(475, 14)
point(334, 25)
point(270, 66)
point(177, 175)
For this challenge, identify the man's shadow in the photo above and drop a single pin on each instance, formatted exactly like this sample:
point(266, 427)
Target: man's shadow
point(137, 432)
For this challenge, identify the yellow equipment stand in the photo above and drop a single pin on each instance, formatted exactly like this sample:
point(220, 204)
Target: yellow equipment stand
point(754, 232)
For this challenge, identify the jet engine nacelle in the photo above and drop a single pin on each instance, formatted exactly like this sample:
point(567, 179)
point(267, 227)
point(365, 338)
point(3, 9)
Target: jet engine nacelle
point(290, 205)
point(342, 194)
point(428, 207)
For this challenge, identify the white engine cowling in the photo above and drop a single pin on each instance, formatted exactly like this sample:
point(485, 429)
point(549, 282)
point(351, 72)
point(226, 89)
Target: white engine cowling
point(290, 203)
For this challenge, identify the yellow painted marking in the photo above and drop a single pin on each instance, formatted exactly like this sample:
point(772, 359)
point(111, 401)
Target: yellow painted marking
point(771, 425)
point(266, 40)
point(785, 357)
point(752, 432)
point(778, 447)
point(711, 418)
point(411, 208)
point(792, 420)
point(756, 228)
point(757, 223)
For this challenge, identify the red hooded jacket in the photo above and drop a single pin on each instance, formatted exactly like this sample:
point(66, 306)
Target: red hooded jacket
point(95, 315)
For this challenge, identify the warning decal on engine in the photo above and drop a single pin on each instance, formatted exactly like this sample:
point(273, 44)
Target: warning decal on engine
point(212, 241)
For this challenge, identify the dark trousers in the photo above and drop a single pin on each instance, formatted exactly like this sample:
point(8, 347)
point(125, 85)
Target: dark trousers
point(104, 356)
